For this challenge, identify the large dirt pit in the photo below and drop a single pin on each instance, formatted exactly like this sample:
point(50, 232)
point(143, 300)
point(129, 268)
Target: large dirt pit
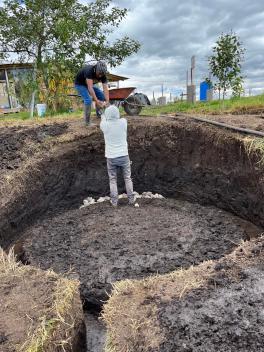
point(103, 245)
point(213, 188)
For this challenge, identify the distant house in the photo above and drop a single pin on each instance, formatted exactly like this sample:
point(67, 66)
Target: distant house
point(9, 74)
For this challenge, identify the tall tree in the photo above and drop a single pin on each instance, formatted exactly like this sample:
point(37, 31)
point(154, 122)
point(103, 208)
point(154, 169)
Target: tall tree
point(225, 63)
point(63, 30)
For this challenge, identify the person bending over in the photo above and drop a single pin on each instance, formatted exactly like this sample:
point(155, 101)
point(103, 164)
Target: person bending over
point(85, 82)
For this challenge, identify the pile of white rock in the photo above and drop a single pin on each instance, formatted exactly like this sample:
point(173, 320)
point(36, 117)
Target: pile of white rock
point(149, 195)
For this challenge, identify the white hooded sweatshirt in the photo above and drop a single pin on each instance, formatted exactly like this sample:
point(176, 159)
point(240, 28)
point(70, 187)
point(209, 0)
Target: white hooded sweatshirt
point(115, 133)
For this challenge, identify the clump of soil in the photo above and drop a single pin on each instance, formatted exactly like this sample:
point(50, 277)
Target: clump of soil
point(38, 310)
point(102, 244)
point(216, 306)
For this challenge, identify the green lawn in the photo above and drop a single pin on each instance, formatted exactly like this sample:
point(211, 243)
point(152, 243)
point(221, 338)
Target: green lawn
point(239, 105)
point(213, 107)
point(24, 115)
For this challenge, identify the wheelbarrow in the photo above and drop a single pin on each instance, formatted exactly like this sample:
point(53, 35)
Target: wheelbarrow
point(132, 103)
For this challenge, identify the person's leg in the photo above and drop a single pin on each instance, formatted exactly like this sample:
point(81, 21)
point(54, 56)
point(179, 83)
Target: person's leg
point(87, 100)
point(126, 168)
point(112, 173)
point(100, 95)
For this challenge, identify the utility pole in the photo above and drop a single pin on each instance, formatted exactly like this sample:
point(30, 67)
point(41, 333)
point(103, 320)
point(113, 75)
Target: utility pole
point(191, 89)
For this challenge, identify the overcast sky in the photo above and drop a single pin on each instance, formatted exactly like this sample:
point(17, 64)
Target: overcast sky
point(171, 31)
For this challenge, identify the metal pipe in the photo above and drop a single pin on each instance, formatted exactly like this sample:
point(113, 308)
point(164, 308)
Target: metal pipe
point(223, 125)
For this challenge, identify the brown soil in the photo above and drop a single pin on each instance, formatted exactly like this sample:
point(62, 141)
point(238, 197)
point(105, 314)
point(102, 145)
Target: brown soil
point(18, 143)
point(44, 179)
point(104, 245)
point(216, 306)
point(28, 311)
point(191, 161)
point(253, 122)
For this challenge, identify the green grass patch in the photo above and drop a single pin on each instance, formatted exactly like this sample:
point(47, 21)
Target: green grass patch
point(235, 105)
point(24, 116)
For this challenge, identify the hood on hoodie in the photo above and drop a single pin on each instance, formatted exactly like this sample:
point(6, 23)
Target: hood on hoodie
point(112, 113)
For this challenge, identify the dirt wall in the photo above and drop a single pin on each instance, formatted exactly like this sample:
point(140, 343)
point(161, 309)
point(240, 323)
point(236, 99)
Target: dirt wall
point(176, 159)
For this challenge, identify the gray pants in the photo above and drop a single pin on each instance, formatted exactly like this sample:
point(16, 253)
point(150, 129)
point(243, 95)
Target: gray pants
point(124, 163)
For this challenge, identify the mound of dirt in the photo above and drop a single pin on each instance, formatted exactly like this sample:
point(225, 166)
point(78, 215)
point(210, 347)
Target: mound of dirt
point(216, 306)
point(103, 244)
point(17, 143)
point(39, 310)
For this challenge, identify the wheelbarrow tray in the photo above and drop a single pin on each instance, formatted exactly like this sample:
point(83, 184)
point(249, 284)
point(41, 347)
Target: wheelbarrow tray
point(120, 93)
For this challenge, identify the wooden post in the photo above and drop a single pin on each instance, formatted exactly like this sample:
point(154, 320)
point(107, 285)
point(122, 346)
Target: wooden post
point(8, 90)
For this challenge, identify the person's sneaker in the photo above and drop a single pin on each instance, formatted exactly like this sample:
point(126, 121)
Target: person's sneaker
point(114, 204)
point(132, 201)
point(90, 124)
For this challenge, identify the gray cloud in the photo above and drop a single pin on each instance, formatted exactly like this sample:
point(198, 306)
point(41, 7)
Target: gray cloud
point(171, 32)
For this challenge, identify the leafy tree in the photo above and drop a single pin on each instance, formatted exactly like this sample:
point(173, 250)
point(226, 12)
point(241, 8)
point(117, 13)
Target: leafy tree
point(57, 35)
point(62, 30)
point(237, 87)
point(225, 64)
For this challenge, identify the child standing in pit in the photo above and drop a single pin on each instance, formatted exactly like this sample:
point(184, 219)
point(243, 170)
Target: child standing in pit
point(116, 152)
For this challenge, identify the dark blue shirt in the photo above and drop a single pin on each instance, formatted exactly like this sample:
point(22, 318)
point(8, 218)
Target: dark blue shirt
point(88, 72)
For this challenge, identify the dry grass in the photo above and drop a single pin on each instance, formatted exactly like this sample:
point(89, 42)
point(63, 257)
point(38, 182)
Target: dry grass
point(8, 263)
point(256, 147)
point(48, 336)
point(132, 312)
point(55, 330)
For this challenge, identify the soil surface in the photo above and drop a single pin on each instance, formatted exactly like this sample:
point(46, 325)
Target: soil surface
point(216, 306)
point(17, 143)
point(103, 244)
point(253, 122)
point(191, 161)
point(27, 297)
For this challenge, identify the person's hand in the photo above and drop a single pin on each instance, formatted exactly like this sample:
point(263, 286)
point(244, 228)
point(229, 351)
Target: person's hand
point(100, 104)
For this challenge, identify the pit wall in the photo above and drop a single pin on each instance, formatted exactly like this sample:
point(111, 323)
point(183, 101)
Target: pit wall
point(193, 162)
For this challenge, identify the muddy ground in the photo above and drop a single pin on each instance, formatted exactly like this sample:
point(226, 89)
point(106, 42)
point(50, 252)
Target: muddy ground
point(46, 172)
point(28, 309)
point(104, 245)
point(216, 306)
point(190, 161)
point(18, 143)
point(253, 122)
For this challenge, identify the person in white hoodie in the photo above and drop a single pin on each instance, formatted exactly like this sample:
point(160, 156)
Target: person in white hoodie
point(116, 152)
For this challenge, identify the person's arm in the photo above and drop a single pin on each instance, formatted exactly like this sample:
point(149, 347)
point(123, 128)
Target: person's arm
point(103, 123)
point(89, 83)
point(106, 93)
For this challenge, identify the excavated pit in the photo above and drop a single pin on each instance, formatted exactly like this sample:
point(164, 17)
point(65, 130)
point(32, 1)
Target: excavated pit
point(103, 245)
point(204, 165)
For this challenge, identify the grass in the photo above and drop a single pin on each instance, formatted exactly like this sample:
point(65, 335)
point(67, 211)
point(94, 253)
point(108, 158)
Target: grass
point(64, 295)
point(55, 330)
point(235, 105)
point(24, 116)
point(255, 146)
point(238, 105)
point(131, 311)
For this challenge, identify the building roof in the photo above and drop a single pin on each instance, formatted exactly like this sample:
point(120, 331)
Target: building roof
point(5, 66)
point(115, 78)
